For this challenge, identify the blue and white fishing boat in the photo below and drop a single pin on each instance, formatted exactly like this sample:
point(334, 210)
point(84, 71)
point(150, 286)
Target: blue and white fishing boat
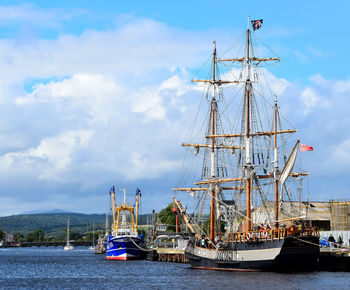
point(125, 243)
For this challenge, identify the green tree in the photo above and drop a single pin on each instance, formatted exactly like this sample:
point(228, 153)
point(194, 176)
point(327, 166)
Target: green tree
point(36, 236)
point(75, 236)
point(54, 239)
point(18, 237)
point(89, 235)
point(167, 216)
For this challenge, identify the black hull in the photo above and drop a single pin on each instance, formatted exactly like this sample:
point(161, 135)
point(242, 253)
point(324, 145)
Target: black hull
point(293, 255)
point(298, 255)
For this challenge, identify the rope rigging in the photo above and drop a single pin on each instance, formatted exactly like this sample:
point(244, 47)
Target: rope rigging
point(239, 120)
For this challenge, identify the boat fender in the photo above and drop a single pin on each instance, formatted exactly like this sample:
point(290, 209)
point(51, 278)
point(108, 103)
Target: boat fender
point(249, 236)
point(264, 234)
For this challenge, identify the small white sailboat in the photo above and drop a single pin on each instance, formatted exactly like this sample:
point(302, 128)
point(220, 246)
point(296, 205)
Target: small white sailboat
point(68, 246)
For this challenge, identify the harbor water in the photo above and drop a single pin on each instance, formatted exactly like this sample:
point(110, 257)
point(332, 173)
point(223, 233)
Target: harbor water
point(54, 268)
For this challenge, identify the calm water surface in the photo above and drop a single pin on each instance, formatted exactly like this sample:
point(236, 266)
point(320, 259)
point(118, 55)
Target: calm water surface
point(54, 268)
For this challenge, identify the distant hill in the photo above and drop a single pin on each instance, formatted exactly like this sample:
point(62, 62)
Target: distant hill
point(46, 211)
point(55, 224)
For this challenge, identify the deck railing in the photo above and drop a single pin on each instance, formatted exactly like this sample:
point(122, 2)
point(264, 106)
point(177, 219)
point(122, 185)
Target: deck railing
point(272, 234)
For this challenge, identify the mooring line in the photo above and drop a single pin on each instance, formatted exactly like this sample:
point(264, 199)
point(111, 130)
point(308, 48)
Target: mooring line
point(141, 248)
point(341, 247)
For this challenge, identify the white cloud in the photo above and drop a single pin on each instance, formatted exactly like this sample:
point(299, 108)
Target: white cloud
point(129, 50)
point(112, 105)
point(317, 96)
point(341, 87)
point(153, 100)
point(55, 154)
point(106, 123)
point(340, 152)
point(320, 81)
point(149, 167)
point(276, 84)
point(90, 93)
point(310, 99)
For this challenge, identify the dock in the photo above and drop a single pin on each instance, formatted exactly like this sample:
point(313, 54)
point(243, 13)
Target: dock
point(171, 255)
point(169, 247)
point(167, 255)
point(334, 260)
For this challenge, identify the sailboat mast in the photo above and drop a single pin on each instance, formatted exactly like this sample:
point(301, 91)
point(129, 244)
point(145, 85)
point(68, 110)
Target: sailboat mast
point(68, 231)
point(248, 161)
point(93, 234)
point(212, 155)
point(276, 166)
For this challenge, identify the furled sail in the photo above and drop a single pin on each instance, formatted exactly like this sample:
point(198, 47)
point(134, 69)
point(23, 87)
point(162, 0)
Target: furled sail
point(288, 167)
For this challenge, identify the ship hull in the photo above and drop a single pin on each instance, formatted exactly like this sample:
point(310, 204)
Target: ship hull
point(286, 255)
point(125, 248)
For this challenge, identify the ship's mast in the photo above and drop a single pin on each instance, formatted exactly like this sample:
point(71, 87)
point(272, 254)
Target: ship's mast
point(276, 171)
point(123, 223)
point(212, 154)
point(247, 143)
point(138, 193)
point(113, 208)
point(248, 135)
point(212, 181)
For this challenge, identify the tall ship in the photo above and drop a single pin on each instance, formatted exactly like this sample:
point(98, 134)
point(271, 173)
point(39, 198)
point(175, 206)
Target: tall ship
point(241, 189)
point(125, 243)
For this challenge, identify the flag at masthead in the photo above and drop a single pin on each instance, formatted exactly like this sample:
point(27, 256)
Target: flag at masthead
point(257, 24)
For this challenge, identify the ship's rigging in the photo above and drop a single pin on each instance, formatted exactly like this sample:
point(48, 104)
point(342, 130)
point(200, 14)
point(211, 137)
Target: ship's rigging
point(246, 164)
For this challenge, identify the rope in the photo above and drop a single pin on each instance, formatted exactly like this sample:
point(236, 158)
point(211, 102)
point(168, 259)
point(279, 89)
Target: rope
point(141, 248)
point(306, 241)
point(344, 247)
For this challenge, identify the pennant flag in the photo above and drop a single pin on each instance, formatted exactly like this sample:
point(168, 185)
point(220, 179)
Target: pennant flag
point(112, 189)
point(138, 191)
point(257, 24)
point(304, 147)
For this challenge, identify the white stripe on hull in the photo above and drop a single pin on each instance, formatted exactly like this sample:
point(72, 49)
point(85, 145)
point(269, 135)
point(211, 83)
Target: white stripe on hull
point(125, 255)
point(240, 255)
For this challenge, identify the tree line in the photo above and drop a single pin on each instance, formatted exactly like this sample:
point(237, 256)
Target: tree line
point(52, 227)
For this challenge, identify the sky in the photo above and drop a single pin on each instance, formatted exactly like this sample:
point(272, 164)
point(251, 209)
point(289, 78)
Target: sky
point(97, 93)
